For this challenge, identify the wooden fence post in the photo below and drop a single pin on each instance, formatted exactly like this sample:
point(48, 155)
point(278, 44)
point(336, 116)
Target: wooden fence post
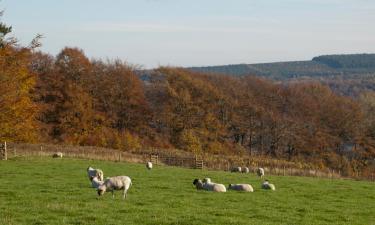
point(3, 151)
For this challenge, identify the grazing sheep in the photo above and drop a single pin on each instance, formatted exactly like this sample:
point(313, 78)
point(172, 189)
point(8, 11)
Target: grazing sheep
point(95, 182)
point(245, 170)
point(149, 165)
point(57, 155)
point(236, 170)
point(91, 172)
point(115, 183)
point(241, 187)
point(266, 185)
point(209, 186)
point(260, 172)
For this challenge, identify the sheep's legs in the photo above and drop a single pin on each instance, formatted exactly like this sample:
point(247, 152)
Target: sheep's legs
point(113, 194)
point(124, 194)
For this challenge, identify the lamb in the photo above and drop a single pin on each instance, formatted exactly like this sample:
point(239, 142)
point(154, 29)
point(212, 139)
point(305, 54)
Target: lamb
point(245, 170)
point(149, 165)
point(57, 155)
point(115, 183)
point(260, 172)
point(209, 186)
point(266, 185)
point(95, 182)
point(236, 169)
point(91, 172)
point(241, 187)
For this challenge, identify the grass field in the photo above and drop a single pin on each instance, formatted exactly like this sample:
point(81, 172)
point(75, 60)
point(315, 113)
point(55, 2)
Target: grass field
point(57, 191)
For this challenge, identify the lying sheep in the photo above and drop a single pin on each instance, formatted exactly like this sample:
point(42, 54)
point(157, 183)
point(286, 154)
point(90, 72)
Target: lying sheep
point(236, 170)
point(57, 155)
point(209, 186)
point(245, 170)
point(207, 180)
point(115, 183)
point(95, 182)
point(266, 185)
point(260, 172)
point(91, 172)
point(241, 187)
point(149, 165)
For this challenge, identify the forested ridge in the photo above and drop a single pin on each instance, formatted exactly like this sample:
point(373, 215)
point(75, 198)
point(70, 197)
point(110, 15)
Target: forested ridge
point(70, 99)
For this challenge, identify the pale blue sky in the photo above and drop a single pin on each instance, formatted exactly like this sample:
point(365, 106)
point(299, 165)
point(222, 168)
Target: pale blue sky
point(195, 33)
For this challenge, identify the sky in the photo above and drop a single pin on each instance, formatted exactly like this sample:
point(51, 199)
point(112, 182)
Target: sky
point(152, 33)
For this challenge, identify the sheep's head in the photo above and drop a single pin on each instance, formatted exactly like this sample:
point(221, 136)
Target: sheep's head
point(101, 190)
point(207, 180)
point(196, 181)
point(230, 186)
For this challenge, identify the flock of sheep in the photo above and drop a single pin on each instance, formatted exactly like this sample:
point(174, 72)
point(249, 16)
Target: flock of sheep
point(208, 185)
point(110, 184)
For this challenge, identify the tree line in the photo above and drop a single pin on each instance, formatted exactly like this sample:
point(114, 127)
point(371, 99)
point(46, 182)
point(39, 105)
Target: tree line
point(71, 99)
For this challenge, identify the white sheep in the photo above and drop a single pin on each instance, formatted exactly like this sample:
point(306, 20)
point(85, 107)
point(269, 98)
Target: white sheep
point(91, 172)
point(241, 187)
point(245, 170)
point(57, 155)
point(207, 180)
point(95, 182)
point(115, 183)
point(236, 169)
point(149, 165)
point(260, 172)
point(209, 186)
point(266, 185)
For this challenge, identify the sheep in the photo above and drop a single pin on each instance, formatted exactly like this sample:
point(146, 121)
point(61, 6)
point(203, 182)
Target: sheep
point(149, 165)
point(236, 169)
point(241, 187)
point(266, 185)
point(207, 180)
point(95, 182)
point(209, 186)
point(91, 172)
point(245, 170)
point(57, 155)
point(115, 183)
point(260, 172)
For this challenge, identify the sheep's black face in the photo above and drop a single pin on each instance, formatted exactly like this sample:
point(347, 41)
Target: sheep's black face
point(195, 181)
point(100, 192)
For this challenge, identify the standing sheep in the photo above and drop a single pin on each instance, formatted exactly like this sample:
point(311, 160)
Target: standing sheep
point(115, 183)
point(149, 165)
point(57, 155)
point(260, 172)
point(95, 182)
point(91, 172)
point(266, 185)
point(236, 170)
point(241, 187)
point(245, 170)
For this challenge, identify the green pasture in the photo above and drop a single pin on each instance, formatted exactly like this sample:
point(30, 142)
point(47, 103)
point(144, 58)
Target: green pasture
point(57, 191)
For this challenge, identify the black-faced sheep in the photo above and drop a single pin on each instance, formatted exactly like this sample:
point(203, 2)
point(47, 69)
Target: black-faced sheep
point(115, 183)
point(245, 170)
point(266, 185)
point(236, 170)
point(209, 186)
point(57, 155)
point(149, 165)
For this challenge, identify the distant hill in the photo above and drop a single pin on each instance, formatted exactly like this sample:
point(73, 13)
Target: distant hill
point(346, 74)
point(320, 66)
